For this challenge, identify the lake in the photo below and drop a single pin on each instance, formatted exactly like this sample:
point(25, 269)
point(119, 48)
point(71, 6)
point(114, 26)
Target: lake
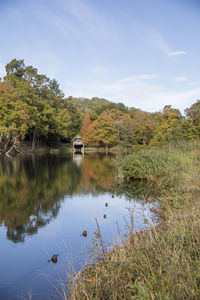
point(46, 202)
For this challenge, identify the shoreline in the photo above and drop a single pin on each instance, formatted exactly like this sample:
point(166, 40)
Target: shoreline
point(162, 262)
point(65, 148)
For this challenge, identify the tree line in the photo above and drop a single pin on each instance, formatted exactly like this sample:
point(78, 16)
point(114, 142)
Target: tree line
point(115, 124)
point(34, 109)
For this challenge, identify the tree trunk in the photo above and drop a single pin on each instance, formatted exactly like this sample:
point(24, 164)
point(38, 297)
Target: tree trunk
point(7, 152)
point(39, 141)
point(33, 141)
point(12, 147)
point(7, 141)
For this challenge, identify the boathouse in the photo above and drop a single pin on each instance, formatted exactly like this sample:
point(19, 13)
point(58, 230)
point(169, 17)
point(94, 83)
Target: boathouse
point(78, 145)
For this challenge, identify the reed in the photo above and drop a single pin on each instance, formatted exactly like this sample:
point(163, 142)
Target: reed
point(164, 261)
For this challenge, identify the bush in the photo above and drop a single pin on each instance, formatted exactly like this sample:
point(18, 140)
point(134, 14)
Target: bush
point(152, 165)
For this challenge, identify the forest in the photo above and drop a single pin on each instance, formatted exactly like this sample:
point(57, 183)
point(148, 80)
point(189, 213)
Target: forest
point(35, 111)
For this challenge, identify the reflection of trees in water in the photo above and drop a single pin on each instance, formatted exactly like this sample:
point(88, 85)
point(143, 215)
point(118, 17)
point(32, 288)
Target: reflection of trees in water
point(39, 219)
point(31, 188)
point(98, 174)
point(137, 190)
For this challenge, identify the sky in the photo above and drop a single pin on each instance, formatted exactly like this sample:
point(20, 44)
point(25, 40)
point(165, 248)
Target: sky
point(143, 53)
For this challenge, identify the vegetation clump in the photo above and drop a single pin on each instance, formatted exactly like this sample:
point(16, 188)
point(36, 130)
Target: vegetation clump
point(157, 166)
point(164, 261)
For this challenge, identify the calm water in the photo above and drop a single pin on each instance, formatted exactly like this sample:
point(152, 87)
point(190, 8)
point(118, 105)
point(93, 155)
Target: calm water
point(46, 202)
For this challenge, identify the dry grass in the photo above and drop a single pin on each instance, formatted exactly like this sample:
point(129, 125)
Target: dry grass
point(162, 263)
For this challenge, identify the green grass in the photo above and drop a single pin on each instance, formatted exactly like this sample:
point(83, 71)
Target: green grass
point(163, 262)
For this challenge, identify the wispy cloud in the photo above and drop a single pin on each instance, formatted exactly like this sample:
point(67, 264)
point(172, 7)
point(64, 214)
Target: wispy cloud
point(158, 40)
point(139, 77)
point(180, 79)
point(89, 21)
point(175, 53)
point(66, 28)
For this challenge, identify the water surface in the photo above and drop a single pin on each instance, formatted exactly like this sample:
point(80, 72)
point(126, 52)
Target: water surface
point(46, 202)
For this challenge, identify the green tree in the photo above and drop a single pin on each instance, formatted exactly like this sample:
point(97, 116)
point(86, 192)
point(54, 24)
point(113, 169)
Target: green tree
point(181, 130)
point(16, 67)
point(51, 118)
point(144, 125)
point(75, 117)
point(122, 123)
point(172, 127)
point(13, 118)
point(193, 114)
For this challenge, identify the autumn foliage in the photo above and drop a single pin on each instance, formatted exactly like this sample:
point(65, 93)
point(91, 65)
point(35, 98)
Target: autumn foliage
point(33, 108)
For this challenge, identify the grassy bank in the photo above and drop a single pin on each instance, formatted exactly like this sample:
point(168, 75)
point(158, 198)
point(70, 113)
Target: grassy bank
point(164, 262)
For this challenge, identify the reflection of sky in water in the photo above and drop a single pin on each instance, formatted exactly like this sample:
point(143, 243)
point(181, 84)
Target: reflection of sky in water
point(63, 236)
point(23, 265)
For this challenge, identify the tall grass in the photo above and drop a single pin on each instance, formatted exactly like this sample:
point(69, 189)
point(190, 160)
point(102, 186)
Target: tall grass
point(163, 262)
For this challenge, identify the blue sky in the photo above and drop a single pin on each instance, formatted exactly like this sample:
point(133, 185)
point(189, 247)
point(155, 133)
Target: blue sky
point(144, 53)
